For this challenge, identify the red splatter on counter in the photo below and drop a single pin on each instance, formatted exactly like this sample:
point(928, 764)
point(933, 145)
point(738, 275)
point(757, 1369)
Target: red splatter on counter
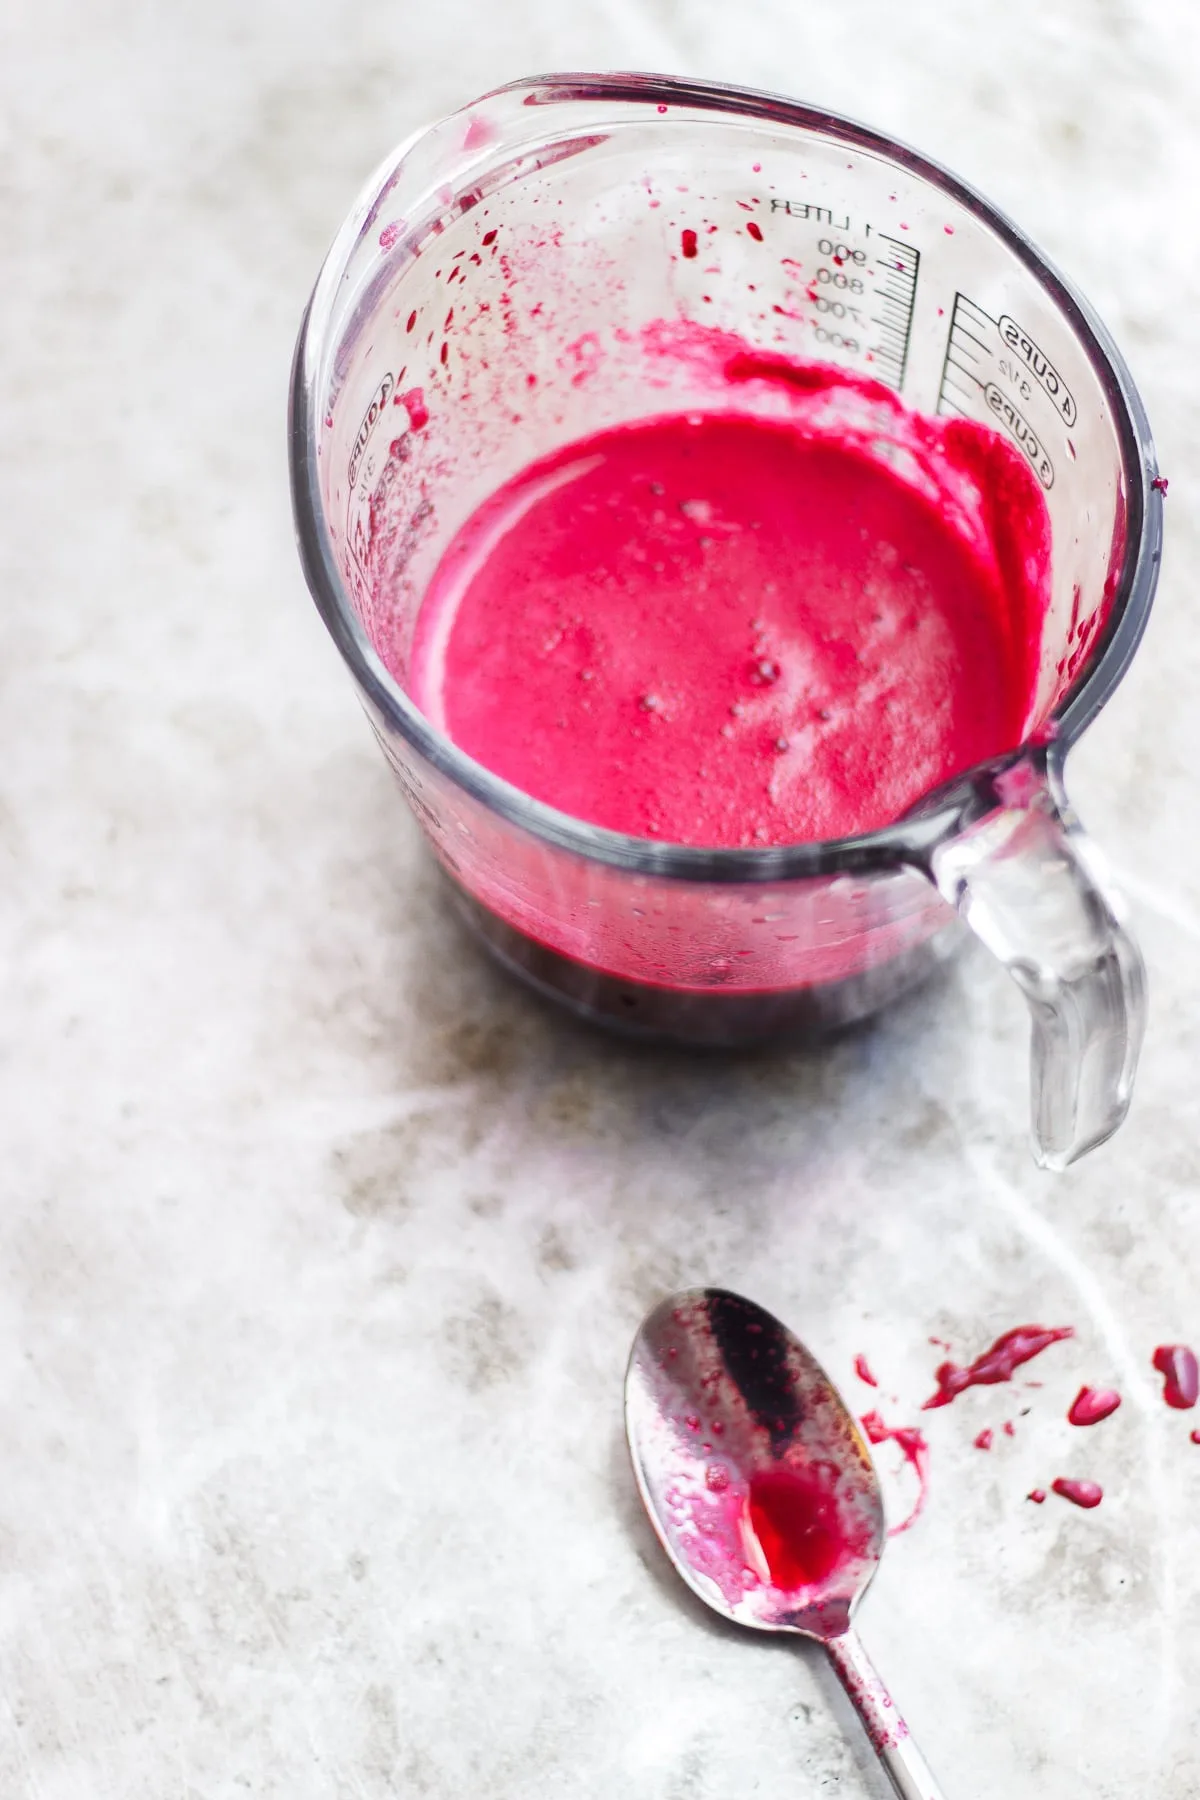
point(1086, 1494)
point(1176, 1363)
point(916, 1453)
point(998, 1363)
point(1090, 1405)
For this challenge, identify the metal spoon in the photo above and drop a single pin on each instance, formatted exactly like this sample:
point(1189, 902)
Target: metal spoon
point(762, 1490)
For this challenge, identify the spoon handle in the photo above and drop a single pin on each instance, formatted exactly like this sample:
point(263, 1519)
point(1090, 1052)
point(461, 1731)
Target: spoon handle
point(906, 1768)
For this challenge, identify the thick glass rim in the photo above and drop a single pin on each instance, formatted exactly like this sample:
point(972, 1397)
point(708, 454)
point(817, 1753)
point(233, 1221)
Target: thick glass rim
point(937, 815)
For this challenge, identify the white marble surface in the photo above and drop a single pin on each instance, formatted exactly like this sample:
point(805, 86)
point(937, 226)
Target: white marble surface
point(322, 1246)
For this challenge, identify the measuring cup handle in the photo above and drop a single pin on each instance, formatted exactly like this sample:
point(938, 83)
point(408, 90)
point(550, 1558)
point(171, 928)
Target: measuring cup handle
point(1027, 880)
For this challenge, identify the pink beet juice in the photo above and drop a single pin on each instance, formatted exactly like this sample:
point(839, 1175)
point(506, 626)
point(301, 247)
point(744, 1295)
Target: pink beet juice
point(722, 630)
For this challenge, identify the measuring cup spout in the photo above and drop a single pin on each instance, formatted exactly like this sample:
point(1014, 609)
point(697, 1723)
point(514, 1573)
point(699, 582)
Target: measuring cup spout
point(1021, 872)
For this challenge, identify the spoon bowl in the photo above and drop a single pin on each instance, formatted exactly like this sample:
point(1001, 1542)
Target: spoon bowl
point(756, 1477)
point(761, 1489)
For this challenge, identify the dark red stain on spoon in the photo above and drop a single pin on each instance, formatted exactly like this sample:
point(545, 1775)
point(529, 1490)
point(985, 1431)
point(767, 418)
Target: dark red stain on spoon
point(998, 1363)
point(687, 241)
point(1181, 1378)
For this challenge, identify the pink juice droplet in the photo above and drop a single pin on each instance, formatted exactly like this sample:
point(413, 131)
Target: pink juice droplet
point(687, 241)
point(418, 412)
point(862, 1369)
point(1090, 1405)
point(1086, 1494)
point(984, 1440)
point(998, 1363)
point(1181, 1378)
point(1037, 1495)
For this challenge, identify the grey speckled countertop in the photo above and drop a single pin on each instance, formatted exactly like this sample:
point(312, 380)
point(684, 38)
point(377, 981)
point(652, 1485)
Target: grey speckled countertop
point(322, 1245)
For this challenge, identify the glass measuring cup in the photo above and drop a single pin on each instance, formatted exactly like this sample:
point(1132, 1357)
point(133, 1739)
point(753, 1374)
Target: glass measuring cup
point(490, 298)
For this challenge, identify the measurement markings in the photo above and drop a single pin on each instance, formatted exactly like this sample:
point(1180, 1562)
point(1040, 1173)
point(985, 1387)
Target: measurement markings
point(956, 387)
point(961, 360)
point(978, 369)
point(895, 299)
point(961, 332)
